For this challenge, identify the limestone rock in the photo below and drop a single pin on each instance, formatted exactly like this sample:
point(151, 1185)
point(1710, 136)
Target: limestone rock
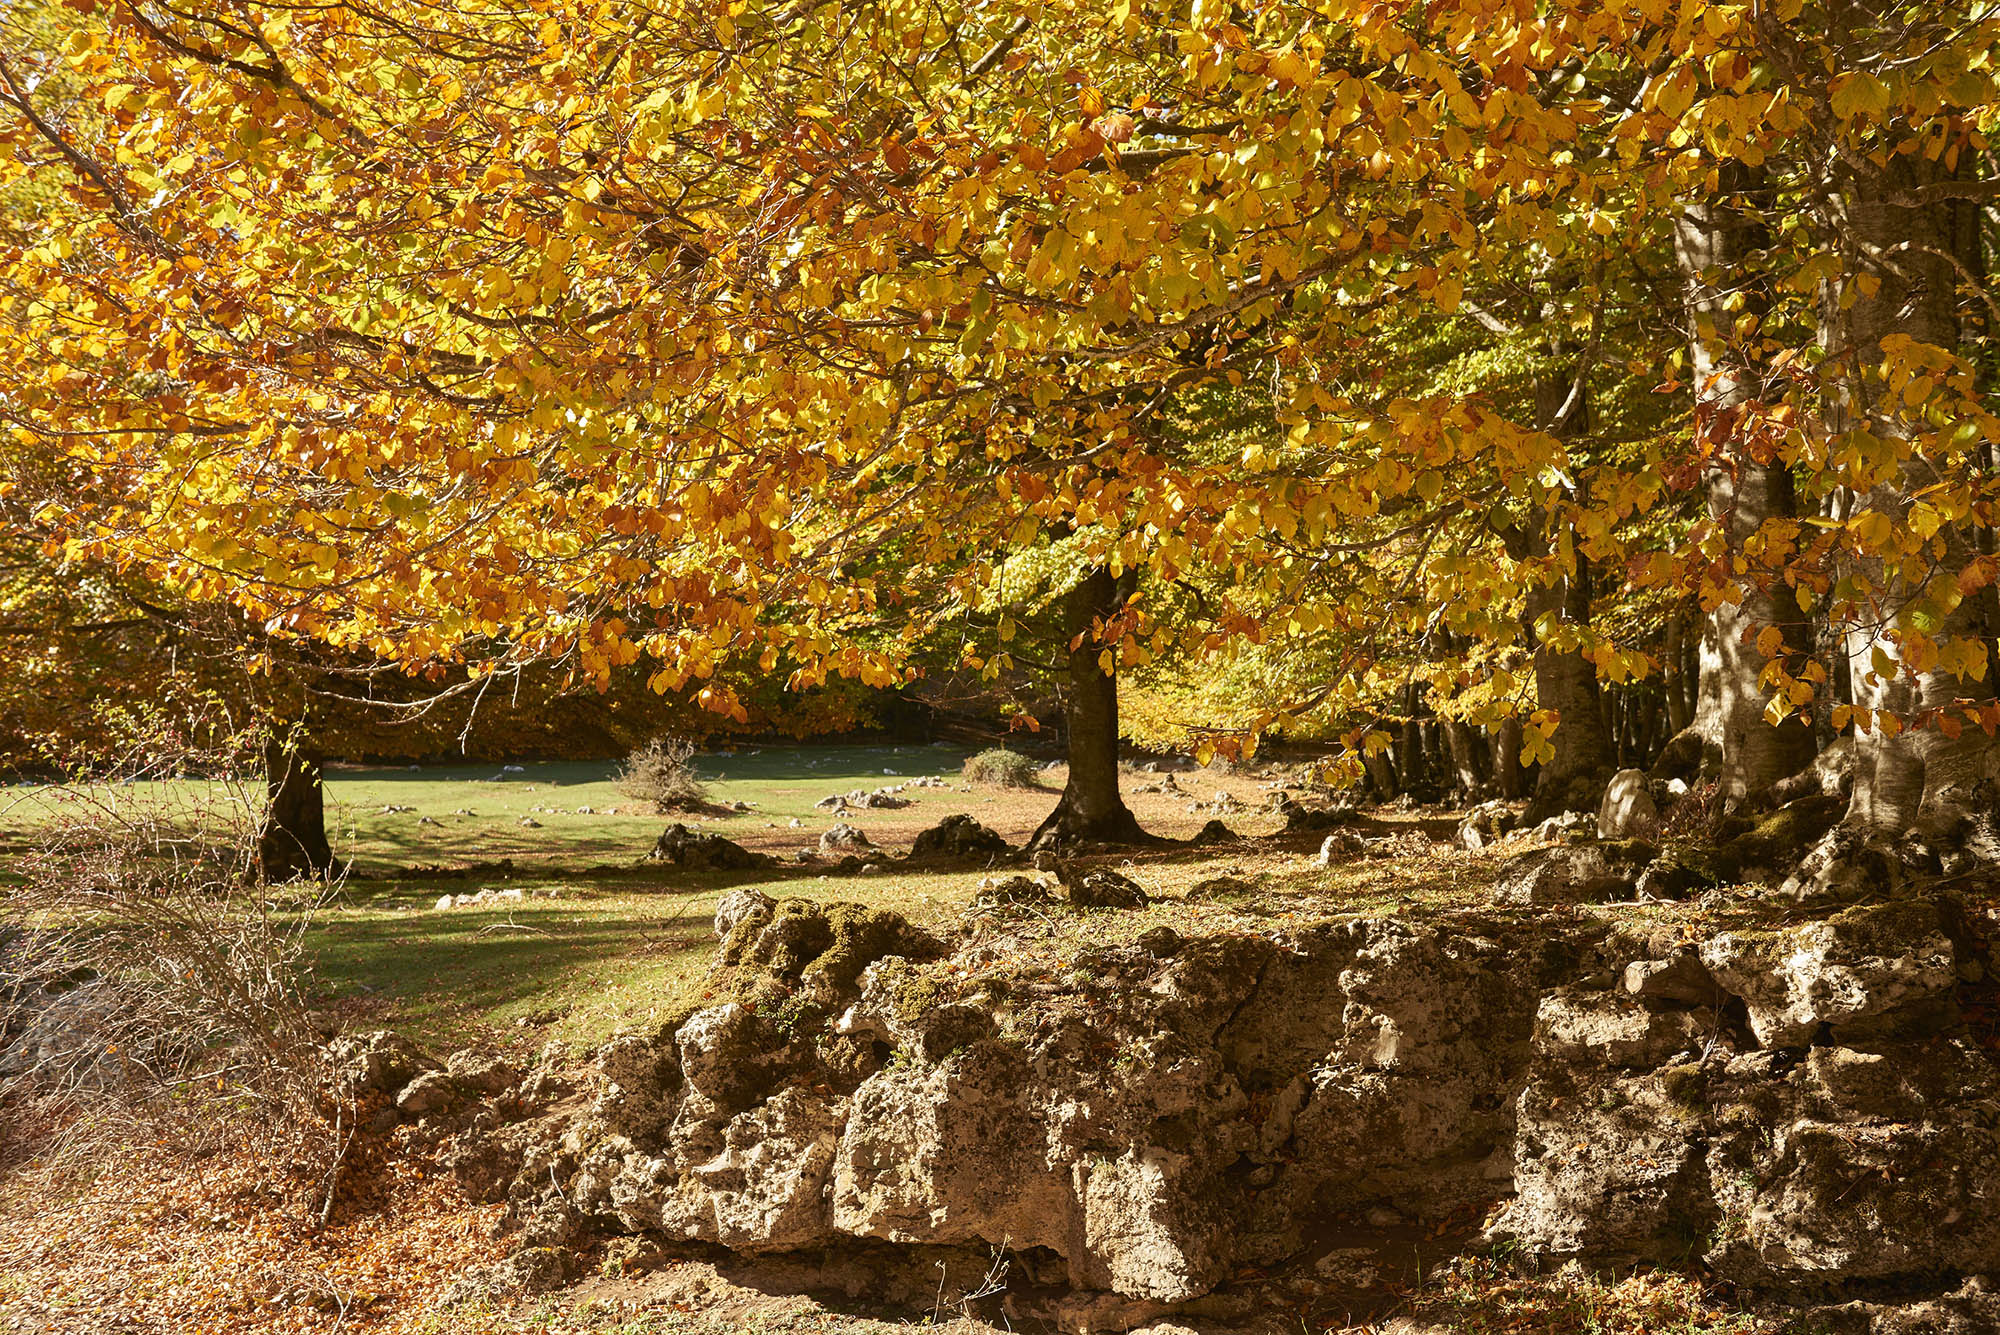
point(1867, 971)
point(1628, 811)
point(1100, 888)
point(691, 850)
point(1680, 980)
point(1573, 873)
point(377, 1062)
point(741, 906)
point(958, 836)
point(1211, 888)
point(1845, 867)
point(844, 838)
point(1337, 848)
point(431, 1092)
point(1607, 1029)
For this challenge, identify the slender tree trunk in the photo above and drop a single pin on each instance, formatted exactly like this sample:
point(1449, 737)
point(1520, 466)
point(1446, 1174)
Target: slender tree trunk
point(1381, 775)
point(1462, 743)
point(1914, 778)
point(1509, 775)
point(1717, 242)
point(1091, 809)
point(293, 842)
point(1565, 681)
point(1679, 700)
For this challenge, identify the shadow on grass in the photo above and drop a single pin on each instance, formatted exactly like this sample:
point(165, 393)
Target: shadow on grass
point(491, 961)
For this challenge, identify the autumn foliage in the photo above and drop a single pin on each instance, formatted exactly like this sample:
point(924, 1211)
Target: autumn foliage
point(1365, 341)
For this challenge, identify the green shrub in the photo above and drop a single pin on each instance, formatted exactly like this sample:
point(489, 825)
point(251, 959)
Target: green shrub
point(1001, 768)
point(662, 772)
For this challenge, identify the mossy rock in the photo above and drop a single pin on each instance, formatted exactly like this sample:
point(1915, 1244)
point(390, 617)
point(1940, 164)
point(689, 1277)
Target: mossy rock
point(1779, 840)
point(860, 936)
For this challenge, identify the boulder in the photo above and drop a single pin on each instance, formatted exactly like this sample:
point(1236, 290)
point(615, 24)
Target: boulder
point(844, 838)
point(958, 836)
point(1628, 810)
point(1211, 888)
point(690, 850)
point(1846, 866)
point(1100, 888)
point(1562, 826)
point(432, 1092)
point(1611, 1030)
point(1584, 873)
point(1007, 890)
point(1302, 819)
point(1338, 847)
point(376, 1062)
point(1679, 980)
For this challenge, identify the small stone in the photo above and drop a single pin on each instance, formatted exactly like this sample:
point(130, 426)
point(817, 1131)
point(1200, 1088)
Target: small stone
point(431, 1092)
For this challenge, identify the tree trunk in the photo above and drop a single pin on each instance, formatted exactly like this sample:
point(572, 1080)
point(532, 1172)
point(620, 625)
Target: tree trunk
point(1381, 775)
point(1462, 743)
point(1565, 681)
point(293, 842)
point(1673, 658)
point(1091, 809)
point(1509, 775)
point(1717, 242)
point(1915, 778)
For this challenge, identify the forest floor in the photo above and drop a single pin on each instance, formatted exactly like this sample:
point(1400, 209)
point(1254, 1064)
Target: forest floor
point(138, 1239)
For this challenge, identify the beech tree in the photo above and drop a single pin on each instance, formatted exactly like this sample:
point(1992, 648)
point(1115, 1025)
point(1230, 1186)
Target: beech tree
point(601, 339)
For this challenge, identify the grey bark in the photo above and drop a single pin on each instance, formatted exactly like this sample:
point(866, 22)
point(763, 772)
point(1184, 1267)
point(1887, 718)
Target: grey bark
point(1718, 243)
point(1918, 778)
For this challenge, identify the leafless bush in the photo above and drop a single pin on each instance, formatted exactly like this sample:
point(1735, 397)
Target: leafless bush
point(662, 773)
point(147, 978)
point(1695, 815)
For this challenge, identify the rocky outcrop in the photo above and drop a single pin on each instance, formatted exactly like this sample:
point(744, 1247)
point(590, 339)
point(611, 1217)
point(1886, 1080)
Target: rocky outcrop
point(1801, 1108)
point(1801, 1105)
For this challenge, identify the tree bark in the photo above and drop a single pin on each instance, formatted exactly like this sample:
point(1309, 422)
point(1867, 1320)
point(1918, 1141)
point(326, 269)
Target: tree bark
point(293, 844)
point(1717, 242)
point(1565, 681)
point(1917, 778)
point(1091, 808)
point(1462, 742)
point(1509, 775)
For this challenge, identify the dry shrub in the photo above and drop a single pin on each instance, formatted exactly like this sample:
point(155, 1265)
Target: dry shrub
point(1000, 768)
point(151, 988)
point(662, 773)
point(1695, 815)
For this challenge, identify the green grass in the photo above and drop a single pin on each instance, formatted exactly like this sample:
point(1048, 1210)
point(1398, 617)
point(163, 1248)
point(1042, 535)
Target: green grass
point(782, 783)
point(602, 940)
point(609, 953)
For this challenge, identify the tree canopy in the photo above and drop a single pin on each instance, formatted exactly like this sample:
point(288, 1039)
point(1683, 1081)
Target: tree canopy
point(1358, 344)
